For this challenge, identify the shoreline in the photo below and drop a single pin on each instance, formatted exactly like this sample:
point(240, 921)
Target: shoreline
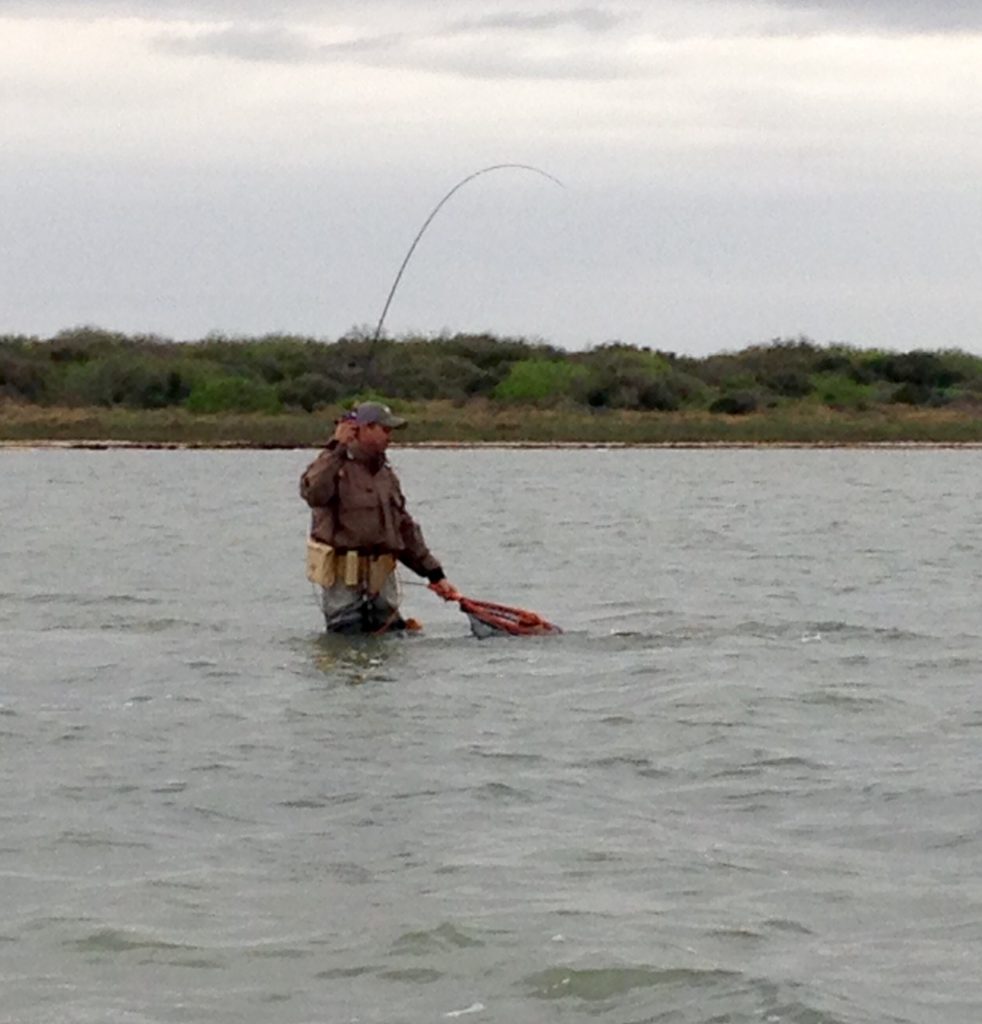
point(82, 444)
point(443, 425)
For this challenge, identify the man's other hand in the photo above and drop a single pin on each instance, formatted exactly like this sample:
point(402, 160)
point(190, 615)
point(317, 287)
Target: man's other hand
point(446, 590)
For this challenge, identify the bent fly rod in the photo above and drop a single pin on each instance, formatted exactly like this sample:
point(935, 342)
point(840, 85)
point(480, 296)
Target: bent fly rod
point(419, 234)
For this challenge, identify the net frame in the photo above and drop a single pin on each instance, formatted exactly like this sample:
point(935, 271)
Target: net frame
point(503, 618)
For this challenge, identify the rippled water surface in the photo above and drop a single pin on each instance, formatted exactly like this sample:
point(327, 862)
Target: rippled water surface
point(745, 785)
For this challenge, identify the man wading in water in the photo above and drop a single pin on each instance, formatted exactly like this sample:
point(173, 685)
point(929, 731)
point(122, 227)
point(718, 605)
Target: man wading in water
point(360, 526)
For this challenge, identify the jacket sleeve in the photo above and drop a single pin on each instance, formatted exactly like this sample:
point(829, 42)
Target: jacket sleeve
point(319, 483)
point(415, 554)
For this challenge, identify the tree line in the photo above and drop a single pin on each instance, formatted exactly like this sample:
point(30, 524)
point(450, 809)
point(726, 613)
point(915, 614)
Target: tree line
point(88, 366)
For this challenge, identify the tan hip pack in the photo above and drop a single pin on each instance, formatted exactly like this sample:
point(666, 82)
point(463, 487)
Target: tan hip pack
point(325, 567)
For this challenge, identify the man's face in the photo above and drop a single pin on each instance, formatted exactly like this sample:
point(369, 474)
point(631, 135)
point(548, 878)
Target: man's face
point(374, 437)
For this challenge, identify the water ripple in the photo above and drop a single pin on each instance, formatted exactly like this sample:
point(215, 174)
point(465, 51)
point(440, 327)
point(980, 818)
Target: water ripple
point(604, 983)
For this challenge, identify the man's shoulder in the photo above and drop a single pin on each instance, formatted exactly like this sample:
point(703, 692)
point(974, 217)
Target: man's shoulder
point(390, 471)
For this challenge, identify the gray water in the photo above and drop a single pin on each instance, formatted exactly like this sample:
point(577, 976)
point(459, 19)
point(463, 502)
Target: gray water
point(745, 785)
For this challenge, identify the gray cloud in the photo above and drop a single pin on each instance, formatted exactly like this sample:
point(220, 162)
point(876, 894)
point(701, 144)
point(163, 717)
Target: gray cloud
point(167, 10)
point(533, 15)
point(482, 43)
point(548, 13)
point(486, 47)
point(588, 19)
point(396, 50)
point(273, 43)
point(892, 15)
point(482, 62)
point(243, 43)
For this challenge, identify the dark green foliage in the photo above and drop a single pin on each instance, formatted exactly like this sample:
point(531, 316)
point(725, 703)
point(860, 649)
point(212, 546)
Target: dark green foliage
point(662, 394)
point(309, 391)
point(496, 355)
point(788, 383)
point(426, 370)
point(87, 366)
point(783, 368)
point(21, 377)
point(920, 394)
point(119, 379)
point(80, 344)
point(920, 369)
point(130, 377)
point(834, 360)
point(233, 394)
point(736, 403)
point(618, 376)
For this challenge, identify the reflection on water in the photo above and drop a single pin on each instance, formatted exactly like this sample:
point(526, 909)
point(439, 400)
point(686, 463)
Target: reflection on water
point(354, 660)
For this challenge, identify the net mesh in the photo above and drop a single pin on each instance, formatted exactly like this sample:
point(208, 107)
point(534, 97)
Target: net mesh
point(487, 618)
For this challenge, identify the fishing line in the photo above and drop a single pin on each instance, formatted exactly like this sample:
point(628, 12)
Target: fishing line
point(426, 223)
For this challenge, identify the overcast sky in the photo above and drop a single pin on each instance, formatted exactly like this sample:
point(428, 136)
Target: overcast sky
point(734, 170)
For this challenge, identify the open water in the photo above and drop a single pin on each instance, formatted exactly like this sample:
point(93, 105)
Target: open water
point(744, 786)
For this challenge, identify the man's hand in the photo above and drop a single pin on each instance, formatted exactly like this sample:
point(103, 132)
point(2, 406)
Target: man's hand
point(446, 590)
point(345, 432)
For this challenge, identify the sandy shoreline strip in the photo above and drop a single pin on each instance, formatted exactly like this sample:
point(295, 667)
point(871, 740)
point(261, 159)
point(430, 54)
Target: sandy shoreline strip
point(103, 445)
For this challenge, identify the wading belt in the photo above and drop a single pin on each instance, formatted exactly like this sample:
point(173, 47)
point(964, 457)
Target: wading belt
point(327, 566)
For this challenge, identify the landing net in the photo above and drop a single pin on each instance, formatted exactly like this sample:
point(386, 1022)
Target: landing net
point(488, 618)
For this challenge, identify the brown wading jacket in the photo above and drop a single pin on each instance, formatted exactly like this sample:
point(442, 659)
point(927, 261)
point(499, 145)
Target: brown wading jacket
point(358, 505)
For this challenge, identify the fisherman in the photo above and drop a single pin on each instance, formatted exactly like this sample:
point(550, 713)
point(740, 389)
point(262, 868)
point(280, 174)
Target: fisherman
point(360, 526)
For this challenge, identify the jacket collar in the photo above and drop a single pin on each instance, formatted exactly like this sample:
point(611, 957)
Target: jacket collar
point(373, 463)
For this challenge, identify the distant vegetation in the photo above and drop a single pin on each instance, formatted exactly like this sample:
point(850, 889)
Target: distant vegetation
point(88, 368)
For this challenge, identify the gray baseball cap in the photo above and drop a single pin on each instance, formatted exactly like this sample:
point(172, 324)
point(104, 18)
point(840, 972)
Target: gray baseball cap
point(374, 412)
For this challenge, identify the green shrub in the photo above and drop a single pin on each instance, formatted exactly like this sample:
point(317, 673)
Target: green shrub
point(233, 394)
point(617, 376)
point(495, 355)
point(965, 366)
point(842, 390)
point(123, 378)
point(780, 366)
point(659, 395)
point(918, 368)
point(837, 359)
point(79, 344)
point(737, 403)
point(672, 391)
point(421, 370)
point(920, 394)
point(22, 377)
point(309, 391)
point(537, 380)
point(788, 383)
point(90, 366)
